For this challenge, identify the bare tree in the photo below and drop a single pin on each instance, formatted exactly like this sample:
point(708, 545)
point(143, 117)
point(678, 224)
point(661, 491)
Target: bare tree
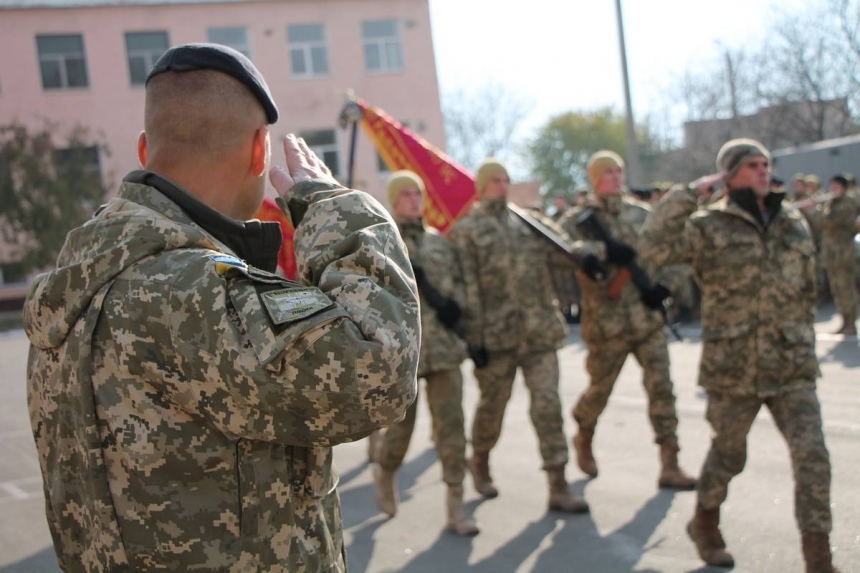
point(482, 123)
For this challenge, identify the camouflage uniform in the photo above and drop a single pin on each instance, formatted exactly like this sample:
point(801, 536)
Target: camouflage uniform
point(836, 219)
point(442, 351)
point(512, 312)
point(185, 405)
point(758, 311)
point(612, 329)
point(566, 286)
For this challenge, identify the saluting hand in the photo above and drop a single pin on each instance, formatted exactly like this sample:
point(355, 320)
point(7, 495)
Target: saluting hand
point(302, 164)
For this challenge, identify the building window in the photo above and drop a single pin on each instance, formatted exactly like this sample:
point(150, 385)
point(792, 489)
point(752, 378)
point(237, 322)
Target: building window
point(308, 51)
point(324, 143)
point(383, 51)
point(81, 161)
point(143, 49)
point(62, 61)
point(236, 38)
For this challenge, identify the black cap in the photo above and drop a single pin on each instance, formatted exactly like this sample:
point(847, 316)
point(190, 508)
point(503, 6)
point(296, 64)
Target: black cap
point(189, 57)
point(840, 179)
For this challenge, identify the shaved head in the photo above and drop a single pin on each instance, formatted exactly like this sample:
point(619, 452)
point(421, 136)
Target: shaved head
point(200, 116)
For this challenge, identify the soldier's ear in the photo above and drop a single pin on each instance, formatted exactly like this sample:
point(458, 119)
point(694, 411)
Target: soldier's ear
point(141, 149)
point(260, 152)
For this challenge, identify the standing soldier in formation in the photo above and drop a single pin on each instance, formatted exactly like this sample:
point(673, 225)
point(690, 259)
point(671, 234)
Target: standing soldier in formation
point(836, 219)
point(753, 260)
point(441, 292)
point(512, 315)
point(615, 328)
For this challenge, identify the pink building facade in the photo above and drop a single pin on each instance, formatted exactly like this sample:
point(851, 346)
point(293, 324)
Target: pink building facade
point(84, 61)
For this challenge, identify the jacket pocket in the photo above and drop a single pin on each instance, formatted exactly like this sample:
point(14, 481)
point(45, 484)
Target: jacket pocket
point(798, 352)
point(727, 357)
point(312, 474)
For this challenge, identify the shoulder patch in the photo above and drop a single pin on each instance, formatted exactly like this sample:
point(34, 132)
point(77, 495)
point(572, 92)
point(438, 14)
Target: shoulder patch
point(225, 263)
point(292, 304)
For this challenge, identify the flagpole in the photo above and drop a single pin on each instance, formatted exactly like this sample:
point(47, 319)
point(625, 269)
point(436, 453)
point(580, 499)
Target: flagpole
point(353, 139)
point(634, 169)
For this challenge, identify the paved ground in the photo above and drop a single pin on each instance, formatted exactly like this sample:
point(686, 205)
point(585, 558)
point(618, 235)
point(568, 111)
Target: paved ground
point(633, 526)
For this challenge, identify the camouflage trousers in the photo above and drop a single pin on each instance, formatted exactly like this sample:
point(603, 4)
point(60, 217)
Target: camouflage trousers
point(798, 417)
point(496, 380)
point(841, 279)
point(445, 398)
point(604, 363)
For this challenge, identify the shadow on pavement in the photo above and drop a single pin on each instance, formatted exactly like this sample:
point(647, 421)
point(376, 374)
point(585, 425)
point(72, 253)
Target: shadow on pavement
point(359, 503)
point(45, 561)
point(454, 548)
point(575, 539)
point(845, 351)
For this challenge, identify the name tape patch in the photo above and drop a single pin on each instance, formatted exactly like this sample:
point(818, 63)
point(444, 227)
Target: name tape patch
point(291, 304)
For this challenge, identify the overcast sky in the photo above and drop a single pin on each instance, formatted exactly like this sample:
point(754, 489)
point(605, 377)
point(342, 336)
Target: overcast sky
point(564, 55)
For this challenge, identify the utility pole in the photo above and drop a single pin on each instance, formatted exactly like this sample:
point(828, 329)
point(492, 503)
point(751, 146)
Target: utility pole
point(730, 70)
point(634, 169)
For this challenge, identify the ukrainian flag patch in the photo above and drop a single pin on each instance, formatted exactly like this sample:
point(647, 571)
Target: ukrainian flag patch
point(225, 263)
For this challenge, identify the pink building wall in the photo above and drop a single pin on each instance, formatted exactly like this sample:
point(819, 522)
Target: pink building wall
point(112, 107)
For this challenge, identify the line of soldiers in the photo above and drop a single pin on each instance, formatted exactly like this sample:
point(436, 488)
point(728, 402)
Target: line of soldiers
point(834, 218)
point(488, 290)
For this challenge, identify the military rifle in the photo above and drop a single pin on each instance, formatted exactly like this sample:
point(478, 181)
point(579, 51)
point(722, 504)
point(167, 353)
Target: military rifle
point(441, 304)
point(591, 226)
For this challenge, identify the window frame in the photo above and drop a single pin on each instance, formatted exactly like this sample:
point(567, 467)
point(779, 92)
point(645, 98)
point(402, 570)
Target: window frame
point(147, 54)
point(382, 43)
point(62, 61)
point(307, 53)
point(321, 149)
point(247, 49)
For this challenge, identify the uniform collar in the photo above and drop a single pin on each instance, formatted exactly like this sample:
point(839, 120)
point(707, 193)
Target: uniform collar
point(256, 242)
point(743, 203)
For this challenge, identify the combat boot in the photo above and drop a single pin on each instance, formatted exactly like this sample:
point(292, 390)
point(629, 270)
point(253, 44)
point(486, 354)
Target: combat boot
point(584, 455)
point(816, 553)
point(458, 521)
point(372, 446)
point(560, 496)
point(704, 530)
point(671, 474)
point(386, 490)
point(479, 466)
point(849, 326)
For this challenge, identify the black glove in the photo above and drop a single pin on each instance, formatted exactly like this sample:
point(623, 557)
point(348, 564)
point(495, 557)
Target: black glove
point(479, 356)
point(420, 275)
point(654, 297)
point(619, 253)
point(449, 314)
point(593, 268)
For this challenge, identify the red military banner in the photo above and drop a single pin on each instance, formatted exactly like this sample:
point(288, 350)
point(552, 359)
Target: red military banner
point(269, 211)
point(450, 187)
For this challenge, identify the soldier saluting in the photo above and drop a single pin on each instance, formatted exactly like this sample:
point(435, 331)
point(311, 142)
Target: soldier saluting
point(753, 259)
point(184, 399)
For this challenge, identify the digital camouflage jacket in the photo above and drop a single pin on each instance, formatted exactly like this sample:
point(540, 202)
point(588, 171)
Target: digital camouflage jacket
point(602, 317)
point(510, 298)
point(184, 405)
point(758, 290)
point(441, 348)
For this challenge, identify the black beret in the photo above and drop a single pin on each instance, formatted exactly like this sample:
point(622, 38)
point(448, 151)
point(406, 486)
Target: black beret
point(840, 179)
point(189, 57)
